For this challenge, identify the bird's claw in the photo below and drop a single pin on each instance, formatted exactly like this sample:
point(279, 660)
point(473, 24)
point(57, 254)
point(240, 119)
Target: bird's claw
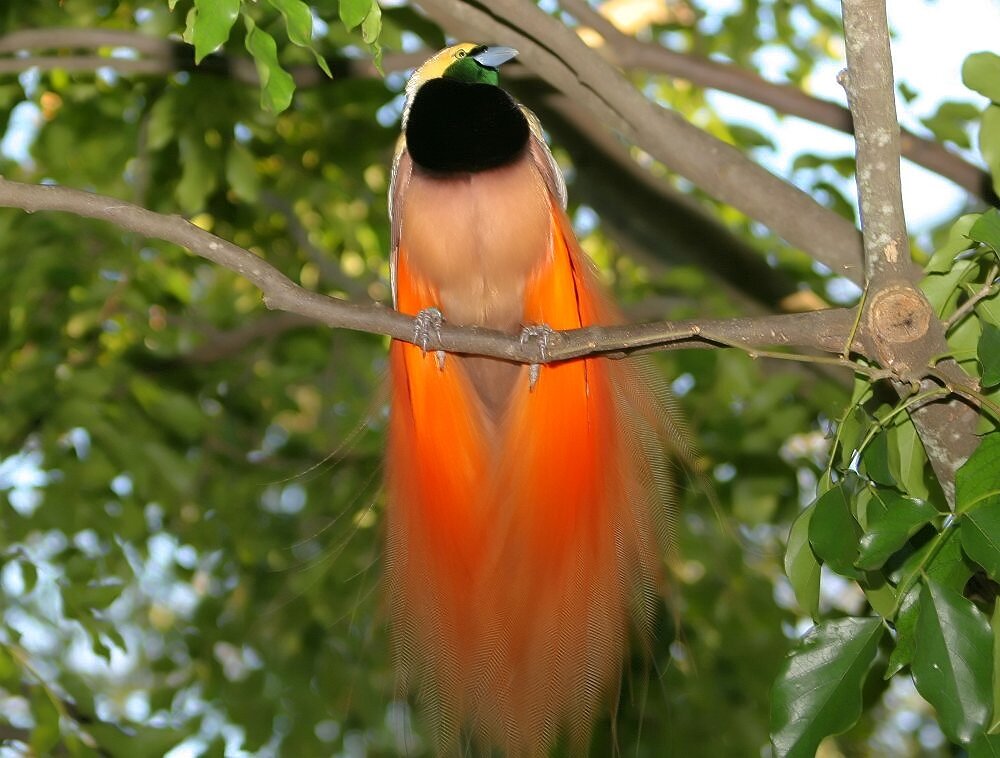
point(427, 322)
point(540, 334)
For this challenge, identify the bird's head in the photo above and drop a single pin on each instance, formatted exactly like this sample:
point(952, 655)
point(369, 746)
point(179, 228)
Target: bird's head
point(465, 62)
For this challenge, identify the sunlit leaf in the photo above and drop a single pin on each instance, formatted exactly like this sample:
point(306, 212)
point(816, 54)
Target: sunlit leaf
point(299, 22)
point(987, 229)
point(956, 242)
point(353, 12)
point(951, 122)
point(212, 24)
point(981, 72)
point(46, 733)
point(818, 690)
point(989, 142)
point(801, 566)
point(276, 84)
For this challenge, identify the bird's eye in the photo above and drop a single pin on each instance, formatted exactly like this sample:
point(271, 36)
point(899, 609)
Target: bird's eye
point(460, 54)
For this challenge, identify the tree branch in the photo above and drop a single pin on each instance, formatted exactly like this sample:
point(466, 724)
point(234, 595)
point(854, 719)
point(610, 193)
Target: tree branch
point(898, 325)
point(630, 53)
point(819, 330)
point(555, 53)
point(657, 221)
point(721, 170)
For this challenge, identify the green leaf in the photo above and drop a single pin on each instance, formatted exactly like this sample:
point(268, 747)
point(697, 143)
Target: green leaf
point(818, 690)
point(988, 352)
point(353, 12)
point(276, 84)
point(951, 122)
point(241, 173)
point(981, 536)
point(198, 176)
point(852, 430)
point(905, 624)
point(952, 664)
point(890, 526)
point(985, 746)
point(989, 142)
point(907, 459)
point(29, 575)
point(981, 72)
point(994, 727)
point(801, 566)
point(162, 122)
point(834, 533)
point(943, 290)
point(978, 480)
point(10, 671)
point(956, 242)
point(987, 229)
point(45, 736)
point(212, 24)
point(371, 27)
point(876, 460)
point(299, 23)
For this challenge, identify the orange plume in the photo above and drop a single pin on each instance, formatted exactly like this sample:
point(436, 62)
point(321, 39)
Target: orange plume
point(524, 547)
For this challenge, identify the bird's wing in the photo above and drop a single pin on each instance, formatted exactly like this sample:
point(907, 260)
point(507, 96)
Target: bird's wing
point(402, 166)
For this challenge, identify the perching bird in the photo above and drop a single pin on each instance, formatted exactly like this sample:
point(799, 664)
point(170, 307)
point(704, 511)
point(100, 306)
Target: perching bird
point(526, 514)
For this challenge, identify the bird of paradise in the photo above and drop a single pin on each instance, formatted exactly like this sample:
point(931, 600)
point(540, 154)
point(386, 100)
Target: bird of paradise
point(527, 510)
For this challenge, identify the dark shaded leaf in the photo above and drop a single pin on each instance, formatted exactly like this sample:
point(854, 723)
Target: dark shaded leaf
point(978, 479)
point(952, 663)
point(905, 624)
point(890, 526)
point(988, 352)
point(981, 536)
point(818, 691)
point(876, 460)
point(994, 727)
point(985, 746)
point(834, 532)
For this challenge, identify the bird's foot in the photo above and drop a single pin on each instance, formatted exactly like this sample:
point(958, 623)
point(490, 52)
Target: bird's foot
point(425, 323)
point(540, 334)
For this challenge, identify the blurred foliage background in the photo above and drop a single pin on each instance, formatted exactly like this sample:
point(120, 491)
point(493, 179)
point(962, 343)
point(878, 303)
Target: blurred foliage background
point(190, 485)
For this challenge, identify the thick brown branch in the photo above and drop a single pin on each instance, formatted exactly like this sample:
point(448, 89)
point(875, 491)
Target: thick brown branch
point(166, 56)
point(821, 330)
point(872, 97)
point(630, 53)
point(898, 326)
point(555, 53)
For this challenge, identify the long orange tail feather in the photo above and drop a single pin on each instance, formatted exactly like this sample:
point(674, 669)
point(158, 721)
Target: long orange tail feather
point(521, 549)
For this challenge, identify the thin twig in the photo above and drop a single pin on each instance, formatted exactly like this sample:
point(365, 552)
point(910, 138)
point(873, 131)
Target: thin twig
point(988, 288)
point(822, 330)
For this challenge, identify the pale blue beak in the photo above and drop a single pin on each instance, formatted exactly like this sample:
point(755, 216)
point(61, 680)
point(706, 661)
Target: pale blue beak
point(494, 56)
